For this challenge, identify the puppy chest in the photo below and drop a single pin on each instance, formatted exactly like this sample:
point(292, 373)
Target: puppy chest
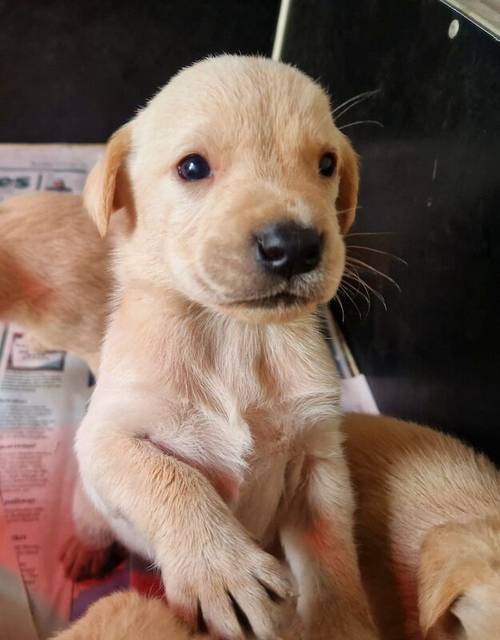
point(242, 426)
point(243, 452)
point(260, 496)
point(258, 478)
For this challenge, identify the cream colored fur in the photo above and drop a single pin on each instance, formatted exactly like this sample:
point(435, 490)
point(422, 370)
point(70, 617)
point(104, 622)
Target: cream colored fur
point(127, 616)
point(213, 429)
point(54, 272)
point(428, 527)
point(130, 616)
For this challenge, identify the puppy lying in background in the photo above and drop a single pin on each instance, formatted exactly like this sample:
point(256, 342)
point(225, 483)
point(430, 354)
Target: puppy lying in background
point(428, 527)
point(129, 616)
point(54, 272)
point(213, 429)
point(429, 534)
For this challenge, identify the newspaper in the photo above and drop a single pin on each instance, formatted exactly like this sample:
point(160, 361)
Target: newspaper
point(42, 400)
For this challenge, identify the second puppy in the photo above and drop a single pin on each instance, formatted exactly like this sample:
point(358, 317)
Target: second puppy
point(428, 526)
point(55, 276)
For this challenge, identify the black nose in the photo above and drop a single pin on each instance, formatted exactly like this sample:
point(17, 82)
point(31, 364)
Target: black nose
point(288, 249)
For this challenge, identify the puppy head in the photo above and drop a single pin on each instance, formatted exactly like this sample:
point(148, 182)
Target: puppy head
point(242, 189)
point(459, 581)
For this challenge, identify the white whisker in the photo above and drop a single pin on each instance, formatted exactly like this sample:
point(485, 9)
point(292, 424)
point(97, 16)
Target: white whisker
point(355, 290)
point(347, 105)
point(349, 297)
point(378, 295)
point(358, 96)
point(366, 266)
point(354, 276)
point(353, 124)
point(371, 233)
point(339, 213)
point(384, 253)
point(339, 301)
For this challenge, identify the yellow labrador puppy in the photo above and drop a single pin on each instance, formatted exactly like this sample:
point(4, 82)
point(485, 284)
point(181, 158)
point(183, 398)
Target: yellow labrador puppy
point(428, 527)
point(213, 429)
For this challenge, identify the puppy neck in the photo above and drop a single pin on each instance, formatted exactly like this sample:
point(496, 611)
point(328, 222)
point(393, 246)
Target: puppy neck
point(188, 347)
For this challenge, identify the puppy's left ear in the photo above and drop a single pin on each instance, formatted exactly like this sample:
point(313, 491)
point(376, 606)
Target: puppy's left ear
point(107, 188)
point(453, 560)
point(347, 198)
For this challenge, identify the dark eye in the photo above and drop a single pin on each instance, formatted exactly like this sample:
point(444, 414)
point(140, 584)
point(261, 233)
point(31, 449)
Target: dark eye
point(327, 165)
point(194, 167)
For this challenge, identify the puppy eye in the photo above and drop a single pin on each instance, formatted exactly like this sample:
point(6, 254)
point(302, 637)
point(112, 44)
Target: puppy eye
point(194, 167)
point(327, 165)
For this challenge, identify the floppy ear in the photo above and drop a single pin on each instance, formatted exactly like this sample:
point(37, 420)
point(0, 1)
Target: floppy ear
point(107, 187)
point(347, 198)
point(450, 566)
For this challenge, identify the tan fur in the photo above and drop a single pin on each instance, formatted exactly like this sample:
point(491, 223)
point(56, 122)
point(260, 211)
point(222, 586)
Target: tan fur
point(213, 427)
point(107, 189)
point(130, 616)
point(348, 188)
point(54, 272)
point(428, 529)
point(459, 587)
point(127, 616)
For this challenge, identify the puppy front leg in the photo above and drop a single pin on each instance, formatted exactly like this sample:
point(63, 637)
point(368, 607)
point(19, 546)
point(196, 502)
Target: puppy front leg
point(209, 564)
point(91, 551)
point(318, 540)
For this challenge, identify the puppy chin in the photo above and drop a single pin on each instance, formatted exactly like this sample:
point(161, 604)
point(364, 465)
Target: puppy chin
point(277, 308)
point(279, 314)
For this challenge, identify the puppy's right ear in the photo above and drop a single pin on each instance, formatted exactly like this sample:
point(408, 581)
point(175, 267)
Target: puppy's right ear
point(455, 560)
point(107, 188)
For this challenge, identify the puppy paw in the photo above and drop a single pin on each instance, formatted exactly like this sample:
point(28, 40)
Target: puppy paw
point(233, 589)
point(81, 562)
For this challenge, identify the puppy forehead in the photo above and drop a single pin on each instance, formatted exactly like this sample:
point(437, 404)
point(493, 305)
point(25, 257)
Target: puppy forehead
point(237, 100)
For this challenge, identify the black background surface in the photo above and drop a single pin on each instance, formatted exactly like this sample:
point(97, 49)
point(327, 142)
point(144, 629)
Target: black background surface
point(74, 71)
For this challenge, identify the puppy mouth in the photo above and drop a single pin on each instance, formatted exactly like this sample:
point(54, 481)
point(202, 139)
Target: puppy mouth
point(282, 299)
